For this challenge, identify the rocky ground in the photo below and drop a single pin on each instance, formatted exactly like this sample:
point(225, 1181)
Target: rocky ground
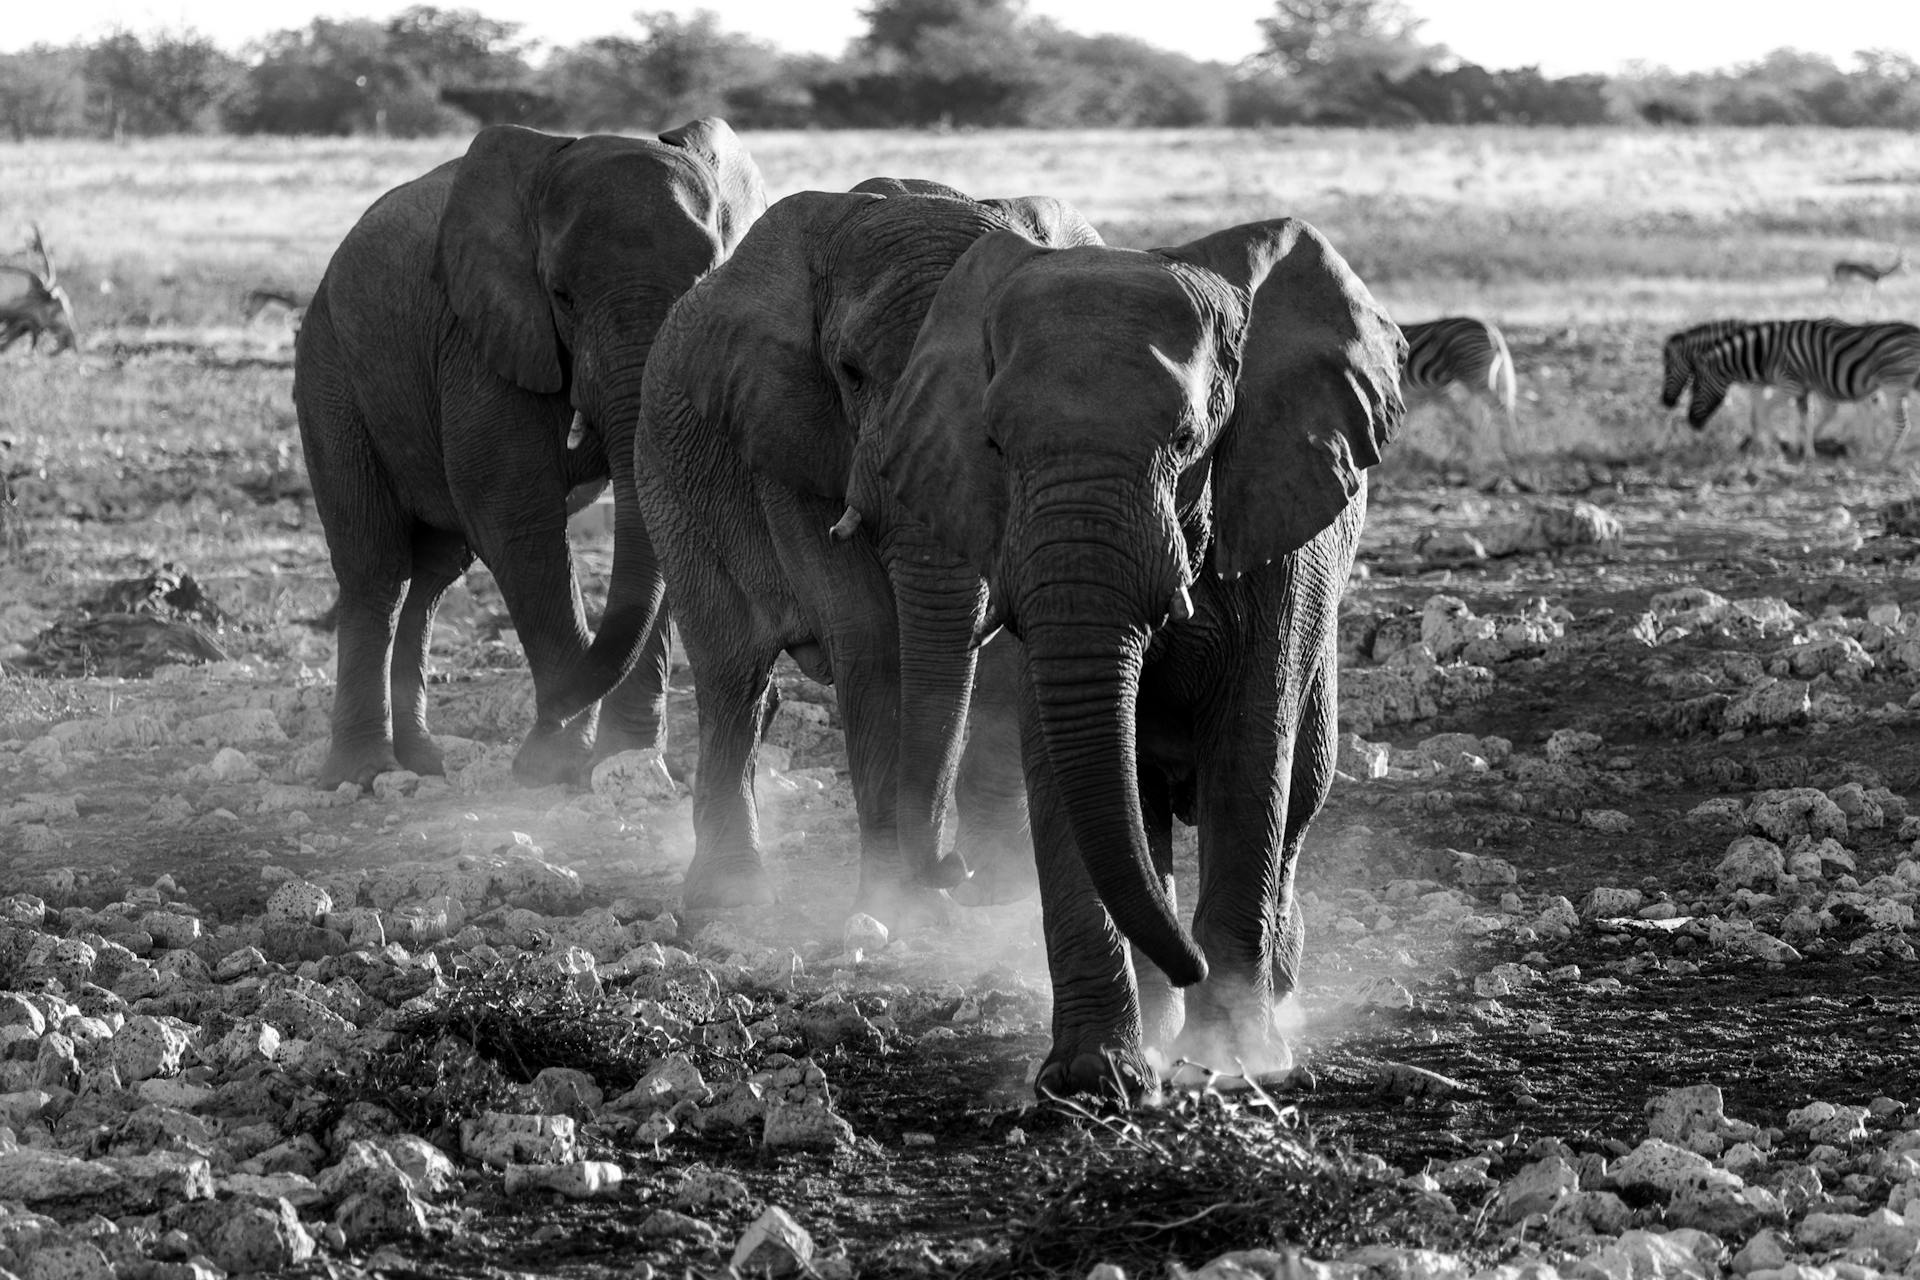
point(1610, 970)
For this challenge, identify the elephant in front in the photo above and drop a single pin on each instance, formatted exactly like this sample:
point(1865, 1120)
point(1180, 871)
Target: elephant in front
point(765, 380)
point(468, 370)
point(1156, 459)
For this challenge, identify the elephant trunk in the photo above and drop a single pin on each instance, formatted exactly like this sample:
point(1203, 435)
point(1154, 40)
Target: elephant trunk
point(941, 603)
point(1085, 603)
point(636, 591)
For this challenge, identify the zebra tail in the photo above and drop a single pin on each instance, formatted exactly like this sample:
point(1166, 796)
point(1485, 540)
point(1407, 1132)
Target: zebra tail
point(1500, 378)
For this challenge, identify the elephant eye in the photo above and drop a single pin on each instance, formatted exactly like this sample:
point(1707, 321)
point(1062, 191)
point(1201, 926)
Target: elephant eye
point(564, 301)
point(1185, 438)
point(852, 374)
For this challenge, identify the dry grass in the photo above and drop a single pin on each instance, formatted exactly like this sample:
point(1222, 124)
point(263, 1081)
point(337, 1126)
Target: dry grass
point(1545, 225)
point(1587, 246)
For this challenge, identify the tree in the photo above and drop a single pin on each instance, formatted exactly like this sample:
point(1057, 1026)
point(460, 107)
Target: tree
point(1118, 81)
point(339, 77)
point(677, 69)
point(457, 48)
point(928, 62)
point(167, 83)
point(42, 92)
point(1331, 61)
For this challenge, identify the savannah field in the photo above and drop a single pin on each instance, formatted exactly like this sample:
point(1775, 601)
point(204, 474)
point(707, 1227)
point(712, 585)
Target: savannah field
point(1634, 732)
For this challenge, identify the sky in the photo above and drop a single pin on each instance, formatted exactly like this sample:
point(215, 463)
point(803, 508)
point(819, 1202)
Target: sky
point(1560, 37)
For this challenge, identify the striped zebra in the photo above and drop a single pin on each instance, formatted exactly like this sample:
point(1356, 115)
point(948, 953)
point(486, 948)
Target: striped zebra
point(1464, 350)
point(1682, 352)
point(1841, 363)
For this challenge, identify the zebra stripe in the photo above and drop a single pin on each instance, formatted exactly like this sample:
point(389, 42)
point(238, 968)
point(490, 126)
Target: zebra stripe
point(1462, 349)
point(1683, 351)
point(1841, 363)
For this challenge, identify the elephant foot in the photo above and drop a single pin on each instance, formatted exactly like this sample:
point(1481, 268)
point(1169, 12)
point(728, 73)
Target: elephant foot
point(1117, 1072)
point(1009, 879)
point(711, 886)
point(359, 765)
point(549, 758)
point(419, 753)
point(902, 907)
point(1259, 1053)
point(612, 740)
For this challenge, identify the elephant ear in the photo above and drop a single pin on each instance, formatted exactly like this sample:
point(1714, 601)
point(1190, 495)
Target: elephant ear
point(743, 195)
point(909, 187)
point(1318, 395)
point(933, 448)
point(762, 378)
point(1046, 221)
point(487, 255)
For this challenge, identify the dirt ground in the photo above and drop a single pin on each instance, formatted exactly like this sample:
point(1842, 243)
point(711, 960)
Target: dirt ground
point(954, 1167)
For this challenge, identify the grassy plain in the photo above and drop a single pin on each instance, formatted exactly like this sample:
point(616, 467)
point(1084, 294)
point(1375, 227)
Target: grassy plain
point(1585, 245)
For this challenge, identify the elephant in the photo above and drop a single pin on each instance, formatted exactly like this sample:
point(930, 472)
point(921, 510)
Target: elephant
point(467, 372)
point(1156, 459)
point(764, 381)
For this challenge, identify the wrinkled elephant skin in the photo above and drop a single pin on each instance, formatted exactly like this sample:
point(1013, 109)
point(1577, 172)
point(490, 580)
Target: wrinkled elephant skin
point(757, 417)
point(1157, 460)
point(471, 357)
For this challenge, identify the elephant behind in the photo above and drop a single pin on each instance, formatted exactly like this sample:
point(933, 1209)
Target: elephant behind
point(766, 378)
point(471, 358)
point(1157, 460)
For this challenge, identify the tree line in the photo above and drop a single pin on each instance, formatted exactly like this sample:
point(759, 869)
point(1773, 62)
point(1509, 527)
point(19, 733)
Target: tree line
point(921, 63)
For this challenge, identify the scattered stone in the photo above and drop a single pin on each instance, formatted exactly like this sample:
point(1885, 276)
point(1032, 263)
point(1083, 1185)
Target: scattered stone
point(774, 1245)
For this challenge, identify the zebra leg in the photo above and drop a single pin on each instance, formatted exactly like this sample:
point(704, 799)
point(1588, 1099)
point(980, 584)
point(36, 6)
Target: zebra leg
point(1900, 424)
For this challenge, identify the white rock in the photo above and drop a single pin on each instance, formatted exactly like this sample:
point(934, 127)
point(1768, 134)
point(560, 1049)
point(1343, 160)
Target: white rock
point(230, 765)
point(498, 1139)
point(1750, 862)
point(1665, 1167)
point(808, 1125)
point(146, 1047)
point(774, 1245)
point(863, 933)
point(1678, 1113)
point(1537, 1188)
point(635, 777)
point(577, 1180)
point(300, 902)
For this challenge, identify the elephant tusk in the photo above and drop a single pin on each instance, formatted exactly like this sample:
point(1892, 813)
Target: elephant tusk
point(578, 431)
point(848, 524)
point(1181, 606)
point(985, 638)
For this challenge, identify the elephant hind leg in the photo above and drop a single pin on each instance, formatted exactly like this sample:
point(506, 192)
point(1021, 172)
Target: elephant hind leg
point(369, 541)
point(733, 687)
point(439, 558)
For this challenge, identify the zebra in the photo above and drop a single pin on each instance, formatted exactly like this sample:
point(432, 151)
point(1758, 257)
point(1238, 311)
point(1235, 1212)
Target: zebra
point(1464, 350)
point(1839, 362)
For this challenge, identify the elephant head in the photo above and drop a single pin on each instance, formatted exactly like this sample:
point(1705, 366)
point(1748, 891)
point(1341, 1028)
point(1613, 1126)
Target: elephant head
point(811, 324)
point(1092, 428)
point(560, 257)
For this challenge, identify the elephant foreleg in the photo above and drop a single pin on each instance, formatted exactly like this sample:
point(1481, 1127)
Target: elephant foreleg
point(1162, 1005)
point(1098, 1036)
point(634, 715)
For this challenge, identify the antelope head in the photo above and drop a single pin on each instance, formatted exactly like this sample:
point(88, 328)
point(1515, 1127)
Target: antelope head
point(44, 308)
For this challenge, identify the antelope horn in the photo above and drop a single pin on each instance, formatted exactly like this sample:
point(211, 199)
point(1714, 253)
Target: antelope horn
point(848, 523)
point(46, 259)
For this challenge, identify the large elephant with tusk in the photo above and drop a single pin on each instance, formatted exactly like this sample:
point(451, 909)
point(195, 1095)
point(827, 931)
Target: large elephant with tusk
point(1157, 460)
point(468, 370)
point(767, 379)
